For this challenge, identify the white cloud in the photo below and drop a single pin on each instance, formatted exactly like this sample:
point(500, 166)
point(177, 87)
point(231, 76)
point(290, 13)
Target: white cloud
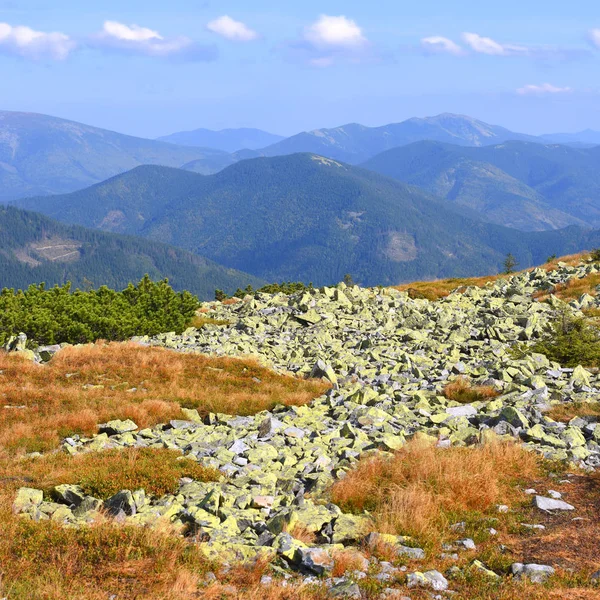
point(231, 29)
point(132, 33)
point(28, 43)
point(595, 37)
point(334, 32)
point(544, 88)
point(486, 45)
point(441, 45)
point(133, 39)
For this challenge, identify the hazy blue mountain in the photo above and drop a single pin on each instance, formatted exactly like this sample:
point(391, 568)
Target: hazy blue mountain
point(519, 184)
point(587, 137)
point(37, 249)
point(214, 164)
point(356, 143)
point(46, 155)
point(229, 140)
point(305, 217)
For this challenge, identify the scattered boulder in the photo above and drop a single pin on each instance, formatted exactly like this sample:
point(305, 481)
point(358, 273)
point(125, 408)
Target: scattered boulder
point(430, 579)
point(117, 427)
point(27, 498)
point(532, 572)
point(550, 504)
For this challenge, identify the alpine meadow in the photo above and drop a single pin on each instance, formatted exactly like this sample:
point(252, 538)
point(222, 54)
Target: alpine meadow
point(299, 301)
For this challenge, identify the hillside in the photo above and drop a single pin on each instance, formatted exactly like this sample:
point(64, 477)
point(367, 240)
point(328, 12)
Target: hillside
point(304, 217)
point(520, 184)
point(35, 248)
point(410, 429)
point(356, 143)
point(46, 155)
point(228, 140)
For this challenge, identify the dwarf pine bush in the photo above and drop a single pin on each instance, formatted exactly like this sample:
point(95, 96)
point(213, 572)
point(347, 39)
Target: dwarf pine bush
point(58, 314)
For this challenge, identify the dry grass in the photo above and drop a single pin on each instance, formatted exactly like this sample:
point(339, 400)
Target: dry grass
point(440, 288)
point(230, 301)
point(422, 488)
point(103, 474)
point(45, 560)
point(347, 560)
point(463, 391)
point(572, 289)
point(567, 411)
point(569, 259)
point(79, 388)
point(200, 321)
point(87, 385)
point(301, 533)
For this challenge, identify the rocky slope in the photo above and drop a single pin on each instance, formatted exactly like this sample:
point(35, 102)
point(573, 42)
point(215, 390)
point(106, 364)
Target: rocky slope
point(388, 358)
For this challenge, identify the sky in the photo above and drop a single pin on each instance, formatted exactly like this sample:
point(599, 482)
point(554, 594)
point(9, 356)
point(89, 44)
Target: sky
point(151, 67)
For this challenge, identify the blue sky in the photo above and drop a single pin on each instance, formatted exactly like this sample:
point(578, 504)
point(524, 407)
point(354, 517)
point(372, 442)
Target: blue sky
point(152, 67)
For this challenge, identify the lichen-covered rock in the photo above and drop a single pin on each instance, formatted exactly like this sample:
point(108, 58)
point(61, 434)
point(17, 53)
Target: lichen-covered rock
point(316, 560)
point(27, 499)
point(72, 495)
point(117, 427)
point(430, 579)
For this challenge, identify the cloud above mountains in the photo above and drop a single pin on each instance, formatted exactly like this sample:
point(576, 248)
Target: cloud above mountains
point(36, 45)
point(330, 40)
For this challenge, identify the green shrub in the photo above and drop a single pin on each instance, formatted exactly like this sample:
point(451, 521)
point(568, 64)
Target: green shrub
point(56, 315)
point(286, 287)
point(595, 255)
point(572, 342)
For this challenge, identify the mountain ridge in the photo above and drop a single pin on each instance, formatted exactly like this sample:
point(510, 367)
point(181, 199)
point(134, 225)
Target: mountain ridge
point(35, 248)
point(40, 154)
point(307, 217)
point(541, 185)
point(227, 140)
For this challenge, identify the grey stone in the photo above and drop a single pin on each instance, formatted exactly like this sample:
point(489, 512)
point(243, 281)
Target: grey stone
point(549, 504)
point(431, 579)
point(535, 573)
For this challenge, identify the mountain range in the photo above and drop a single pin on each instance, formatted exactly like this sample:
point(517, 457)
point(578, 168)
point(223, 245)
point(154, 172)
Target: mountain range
point(228, 140)
point(519, 184)
point(306, 217)
point(355, 143)
point(46, 155)
point(34, 248)
point(42, 155)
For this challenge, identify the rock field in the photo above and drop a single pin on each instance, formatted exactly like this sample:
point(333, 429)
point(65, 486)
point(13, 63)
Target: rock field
point(388, 358)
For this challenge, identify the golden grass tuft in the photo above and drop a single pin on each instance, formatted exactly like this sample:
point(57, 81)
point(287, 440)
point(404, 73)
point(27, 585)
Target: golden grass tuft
point(86, 385)
point(200, 321)
point(301, 533)
point(421, 488)
point(347, 560)
point(440, 288)
point(103, 474)
point(566, 411)
point(463, 391)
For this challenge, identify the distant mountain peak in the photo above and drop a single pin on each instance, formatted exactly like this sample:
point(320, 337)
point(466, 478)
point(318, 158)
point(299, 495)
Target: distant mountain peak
point(227, 140)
